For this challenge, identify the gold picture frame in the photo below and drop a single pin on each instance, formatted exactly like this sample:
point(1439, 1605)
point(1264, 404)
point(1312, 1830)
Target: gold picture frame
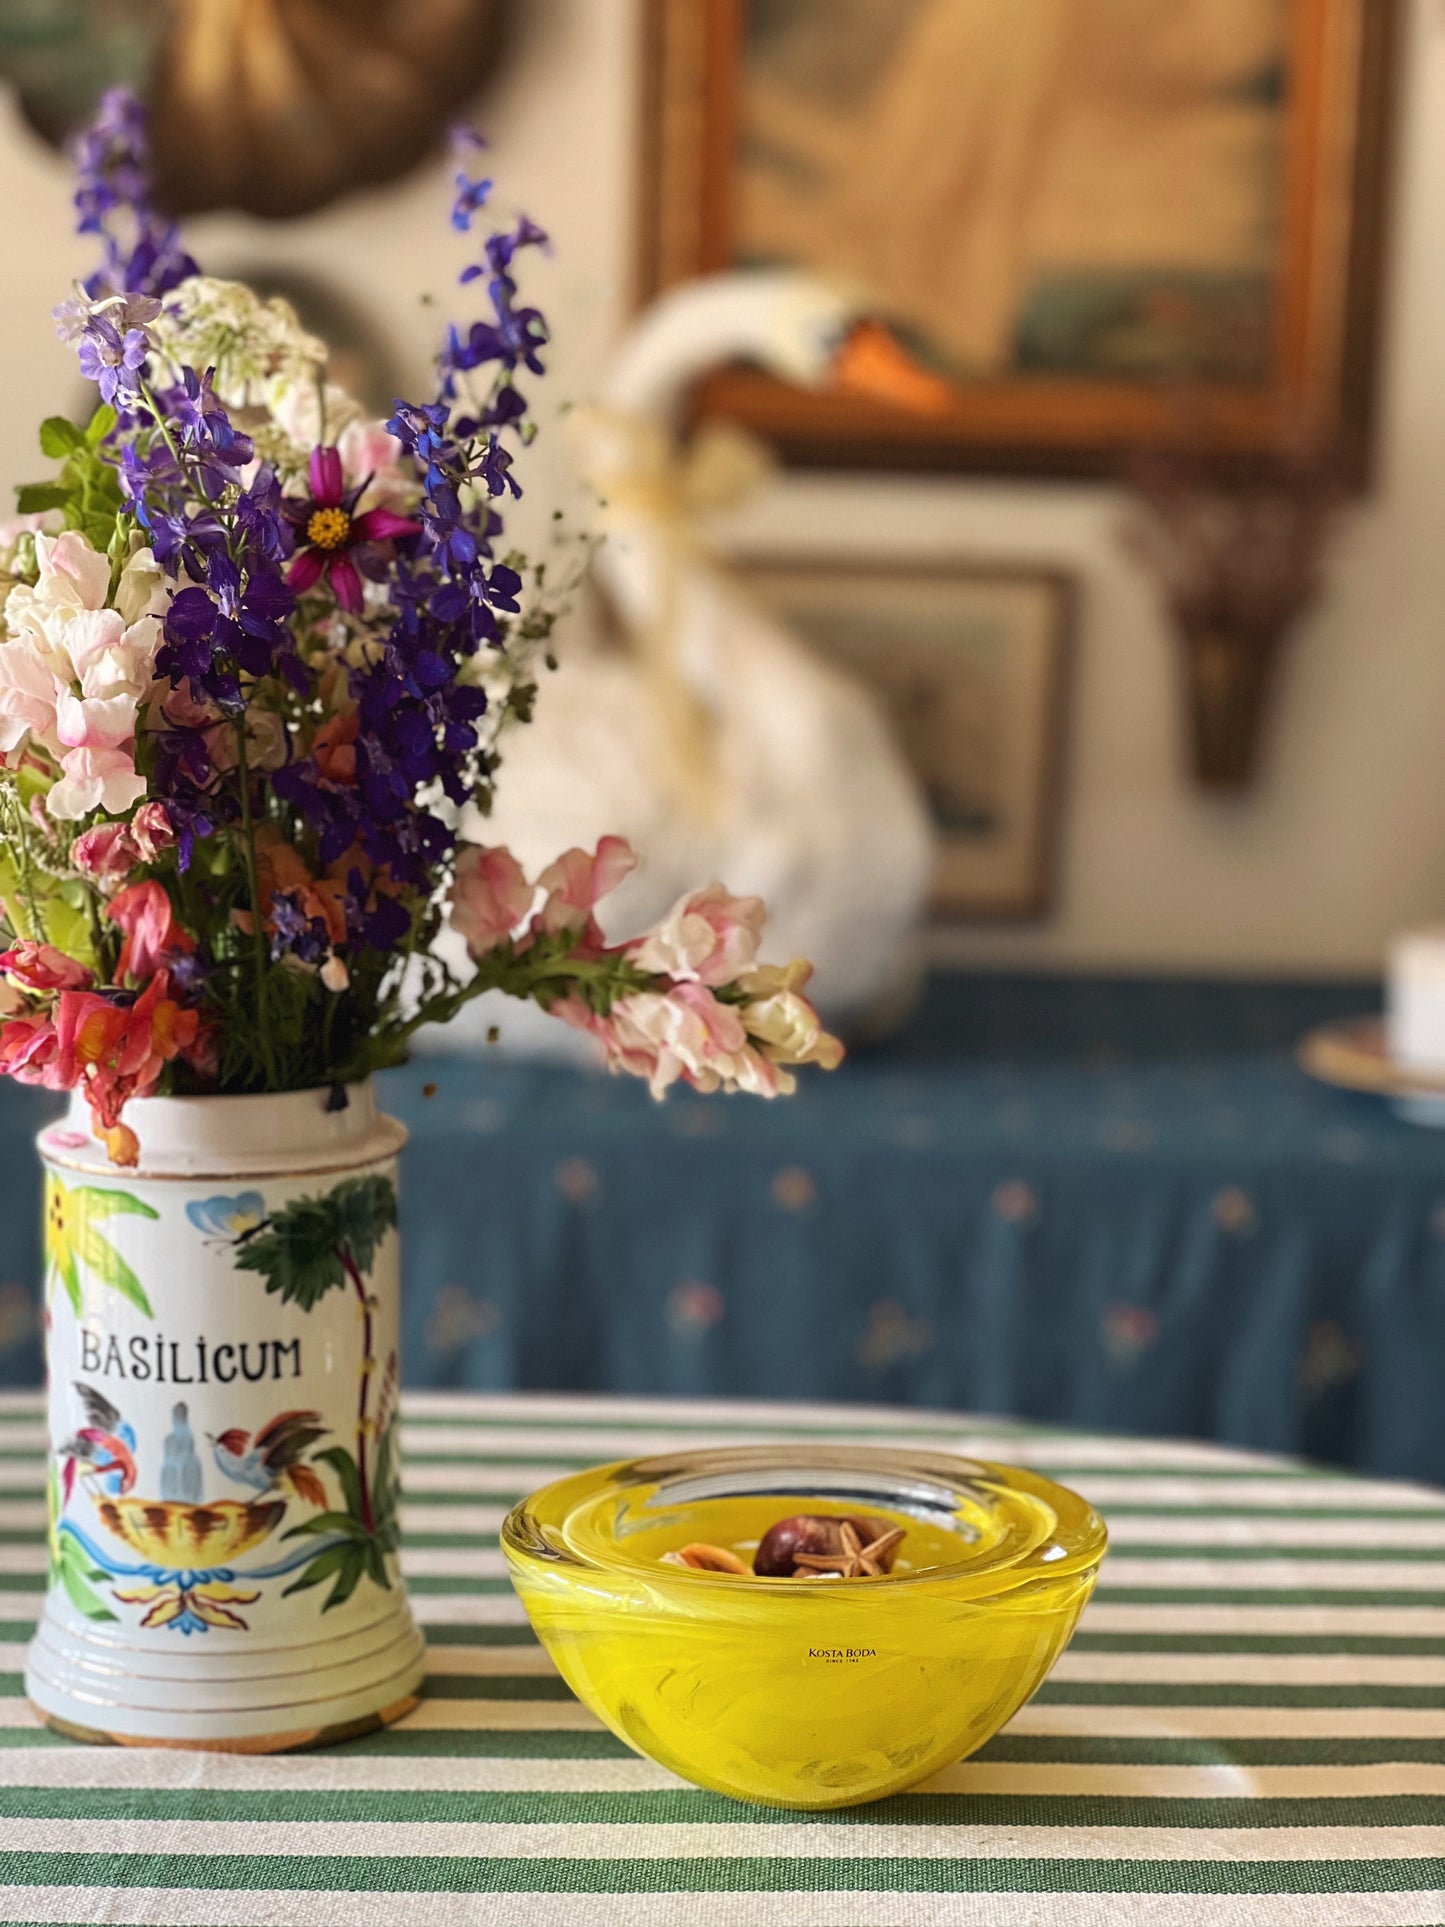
point(972, 665)
point(1253, 336)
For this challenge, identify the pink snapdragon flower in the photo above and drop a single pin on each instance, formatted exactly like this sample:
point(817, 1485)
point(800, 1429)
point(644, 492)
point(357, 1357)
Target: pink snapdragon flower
point(680, 1034)
point(28, 1049)
point(490, 897)
point(109, 852)
point(105, 855)
point(151, 936)
point(41, 967)
point(577, 882)
point(710, 937)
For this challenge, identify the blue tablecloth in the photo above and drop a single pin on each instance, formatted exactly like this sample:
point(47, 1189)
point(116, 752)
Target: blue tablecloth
point(1107, 1202)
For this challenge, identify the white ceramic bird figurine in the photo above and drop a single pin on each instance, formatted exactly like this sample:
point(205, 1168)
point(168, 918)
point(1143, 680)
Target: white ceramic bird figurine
point(712, 738)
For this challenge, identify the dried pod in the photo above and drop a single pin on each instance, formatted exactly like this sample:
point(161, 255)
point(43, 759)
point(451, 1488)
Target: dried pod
point(704, 1558)
point(811, 1543)
point(778, 1550)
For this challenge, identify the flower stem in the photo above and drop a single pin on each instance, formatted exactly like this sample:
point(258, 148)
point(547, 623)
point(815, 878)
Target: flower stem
point(253, 884)
point(368, 1364)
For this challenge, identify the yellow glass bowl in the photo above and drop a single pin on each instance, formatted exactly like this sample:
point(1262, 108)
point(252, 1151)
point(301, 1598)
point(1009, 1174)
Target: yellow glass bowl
point(792, 1692)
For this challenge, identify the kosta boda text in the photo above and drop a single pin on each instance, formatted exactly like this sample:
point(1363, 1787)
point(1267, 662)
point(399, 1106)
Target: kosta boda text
point(165, 1360)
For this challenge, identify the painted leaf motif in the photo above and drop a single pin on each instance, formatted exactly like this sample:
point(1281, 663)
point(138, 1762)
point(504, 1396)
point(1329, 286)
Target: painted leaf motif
point(325, 1522)
point(348, 1579)
point(321, 1568)
point(69, 1274)
point(103, 1202)
point(167, 1608)
point(75, 1572)
point(97, 1254)
point(74, 1247)
point(214, 1606)
point(344, 1466)
point(301, 1253)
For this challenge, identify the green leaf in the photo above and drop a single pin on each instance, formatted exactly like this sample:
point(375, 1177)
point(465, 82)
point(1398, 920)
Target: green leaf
point(99, 531)
point(321, 1568)
point(348, 1581)
point(376, 1566)
point(59, 437)
point(366, 1211)
point(69, 1274)
point(34, 498)
point(385, 1485)
point(105, 1261)
point(327, 1522)
point(344, 1466)
point(81, 1596)
point(101, 1202)
point(101, 423)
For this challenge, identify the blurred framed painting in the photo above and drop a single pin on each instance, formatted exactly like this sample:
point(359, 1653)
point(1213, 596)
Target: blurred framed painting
point(1106, 223)
point(971, 665)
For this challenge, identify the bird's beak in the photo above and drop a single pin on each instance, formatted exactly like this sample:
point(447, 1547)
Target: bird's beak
point(873, 363)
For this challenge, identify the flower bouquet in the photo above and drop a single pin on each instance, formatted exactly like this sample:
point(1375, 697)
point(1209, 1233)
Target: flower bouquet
point(258, 655)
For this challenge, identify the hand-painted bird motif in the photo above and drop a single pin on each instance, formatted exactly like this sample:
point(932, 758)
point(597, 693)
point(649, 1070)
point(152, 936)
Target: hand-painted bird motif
point(102, 1449)
point(271, 1460)
point(180, 1467)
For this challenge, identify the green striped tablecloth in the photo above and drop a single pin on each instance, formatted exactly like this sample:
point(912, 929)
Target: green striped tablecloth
point(1248, 1728)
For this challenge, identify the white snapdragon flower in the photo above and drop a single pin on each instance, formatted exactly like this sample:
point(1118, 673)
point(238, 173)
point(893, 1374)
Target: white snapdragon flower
point(74, 671)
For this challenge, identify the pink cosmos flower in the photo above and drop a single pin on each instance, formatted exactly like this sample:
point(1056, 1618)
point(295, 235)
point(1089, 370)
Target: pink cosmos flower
point(577, 882)
point(151, 934)
point(40, 967)
point(490, 898)
point(328, 529)
point(709, 938)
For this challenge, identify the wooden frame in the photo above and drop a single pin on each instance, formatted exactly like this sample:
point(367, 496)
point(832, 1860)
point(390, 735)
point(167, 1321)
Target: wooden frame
point(1324, 341)
point(984, 872)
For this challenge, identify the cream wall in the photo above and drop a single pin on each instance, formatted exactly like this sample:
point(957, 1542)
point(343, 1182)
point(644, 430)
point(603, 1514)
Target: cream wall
point(1343, 842)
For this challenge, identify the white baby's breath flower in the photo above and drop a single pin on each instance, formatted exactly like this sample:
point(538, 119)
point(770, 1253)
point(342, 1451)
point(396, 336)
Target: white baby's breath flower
point(252, 343)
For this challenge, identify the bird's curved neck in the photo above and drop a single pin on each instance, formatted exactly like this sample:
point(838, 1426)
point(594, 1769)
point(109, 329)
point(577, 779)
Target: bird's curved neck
point(708, 323)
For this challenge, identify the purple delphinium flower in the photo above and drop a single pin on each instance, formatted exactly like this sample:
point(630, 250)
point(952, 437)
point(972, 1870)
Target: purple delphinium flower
point(142, 249)
point(294, 933)
point(113, 360)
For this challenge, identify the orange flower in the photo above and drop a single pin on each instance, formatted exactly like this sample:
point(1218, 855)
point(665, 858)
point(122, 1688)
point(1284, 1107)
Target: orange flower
point(281, 871)
point(334, 747)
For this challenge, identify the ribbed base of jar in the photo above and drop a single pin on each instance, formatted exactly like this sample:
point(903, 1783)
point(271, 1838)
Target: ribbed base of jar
point(241, 1699)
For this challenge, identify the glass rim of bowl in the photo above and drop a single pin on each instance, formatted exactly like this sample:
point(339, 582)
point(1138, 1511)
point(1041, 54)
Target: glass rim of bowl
point(535, 1530)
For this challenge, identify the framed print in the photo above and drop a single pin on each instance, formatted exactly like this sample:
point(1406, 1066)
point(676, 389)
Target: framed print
point(1106, 223)
point(971, 665)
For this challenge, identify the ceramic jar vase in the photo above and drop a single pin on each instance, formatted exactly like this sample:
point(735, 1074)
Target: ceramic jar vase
point(223, 1477)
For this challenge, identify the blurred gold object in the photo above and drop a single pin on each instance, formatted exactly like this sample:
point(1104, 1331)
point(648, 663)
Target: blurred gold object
point(279, 106)
point(275, 107)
